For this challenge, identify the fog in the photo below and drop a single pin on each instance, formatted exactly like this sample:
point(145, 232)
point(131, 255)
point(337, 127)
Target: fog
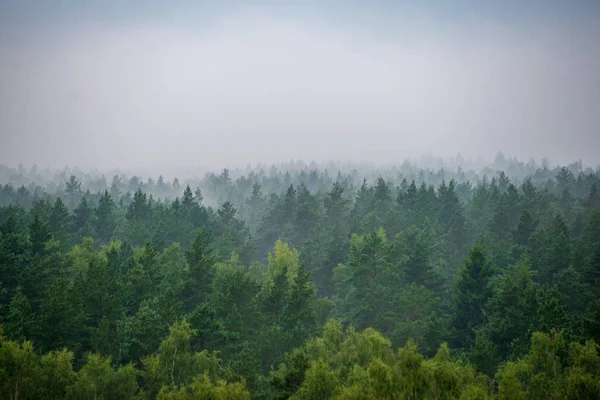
point(251, 85)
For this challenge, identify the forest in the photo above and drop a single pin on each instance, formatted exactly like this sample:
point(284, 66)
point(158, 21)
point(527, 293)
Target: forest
point(303, 282)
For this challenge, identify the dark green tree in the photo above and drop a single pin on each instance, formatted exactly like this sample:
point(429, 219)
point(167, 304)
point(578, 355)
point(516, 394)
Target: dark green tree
point(470, 294)
point(13, 254)
point(73, 191)
point(105, 222)
point(82, 219)
point(201, 264)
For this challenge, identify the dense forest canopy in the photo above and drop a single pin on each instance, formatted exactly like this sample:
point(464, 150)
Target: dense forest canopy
point(302, 281)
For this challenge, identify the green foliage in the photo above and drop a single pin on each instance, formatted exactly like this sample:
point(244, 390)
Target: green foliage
point(365, 286)
point(471, 292)
point(98, 380)
point(203, 388)
point(144, 289)
point(512, 316)
point(283, 258)
point(140, 334)
point(351, 365)
point(549, 371)
point(24, 374)
point(201, 269)
point(105, 222)
point(417, 317)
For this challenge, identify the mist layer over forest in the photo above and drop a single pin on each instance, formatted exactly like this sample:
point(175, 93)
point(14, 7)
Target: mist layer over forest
point(173, 85)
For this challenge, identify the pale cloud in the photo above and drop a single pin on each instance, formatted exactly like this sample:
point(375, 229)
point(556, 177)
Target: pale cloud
point(257, 88)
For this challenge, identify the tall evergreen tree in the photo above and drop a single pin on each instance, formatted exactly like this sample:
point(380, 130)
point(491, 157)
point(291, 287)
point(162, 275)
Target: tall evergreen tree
point(139, 209)
point(382, 191)
point(82, 218)
point(201, 260)
point(105, 222)
point(471, 292)
point(13, 254)
point(73, 191)
point(59, 221)
point(39, 234)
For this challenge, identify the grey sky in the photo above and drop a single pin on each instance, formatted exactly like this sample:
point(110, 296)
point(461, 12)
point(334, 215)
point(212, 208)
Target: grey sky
point(230, 85)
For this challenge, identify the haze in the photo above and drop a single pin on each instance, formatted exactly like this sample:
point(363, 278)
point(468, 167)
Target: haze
point(368, 82)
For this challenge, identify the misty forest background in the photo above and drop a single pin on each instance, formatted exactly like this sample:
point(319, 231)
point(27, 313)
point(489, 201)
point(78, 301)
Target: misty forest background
point(301, 282)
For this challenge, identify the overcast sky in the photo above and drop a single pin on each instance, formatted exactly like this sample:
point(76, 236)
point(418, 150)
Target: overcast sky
point(161, 84)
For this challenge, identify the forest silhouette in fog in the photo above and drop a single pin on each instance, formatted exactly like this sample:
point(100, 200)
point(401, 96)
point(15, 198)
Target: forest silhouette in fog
point(301, 282)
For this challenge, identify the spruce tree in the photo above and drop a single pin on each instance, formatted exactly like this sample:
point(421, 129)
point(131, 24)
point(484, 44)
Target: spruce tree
point(470, 294)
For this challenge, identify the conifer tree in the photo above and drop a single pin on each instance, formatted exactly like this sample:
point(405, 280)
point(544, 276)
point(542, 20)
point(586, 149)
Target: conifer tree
point(470, 294)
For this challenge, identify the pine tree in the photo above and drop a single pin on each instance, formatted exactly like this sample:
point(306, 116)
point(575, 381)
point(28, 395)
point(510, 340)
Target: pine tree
point(198, 196)
point(13, 254)
point(188, 198)
point(382, 191)
point(276, 294)
point(449, 204)
point(20, 321)
point(416, 256)
point(226, 214)
point(255, 207)
point(139, 209)
point(61, 322)
point(471, 293)
point(299, 314)
point(105, 223)
point(362, 206)
point(306, 215)
point(73, 191)
point(59, 217)
point(511, 316)
point(532, 198)
point(201, 264)
point(365, 286)
point(526, 227)
point(82, 218)
point(551, 250)
point(39, 234)
point(289, 204)
point(591, 272)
